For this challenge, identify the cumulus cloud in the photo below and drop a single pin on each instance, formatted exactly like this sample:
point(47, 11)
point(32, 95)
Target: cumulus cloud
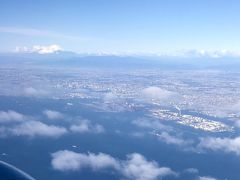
point(52, 114)
point(11, 116)
point(156, 93)
point(36, 128)
point(40, 49)
point(30, 91)
point(221, 144)
point(70, 161)
point(86, 126)
point(135, 167)
point(46, 49)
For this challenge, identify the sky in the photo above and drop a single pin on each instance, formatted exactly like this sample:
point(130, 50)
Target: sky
point(121, 26)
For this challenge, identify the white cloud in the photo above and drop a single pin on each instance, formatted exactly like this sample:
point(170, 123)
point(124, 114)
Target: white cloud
point(52, 114)
point(70, 104)
point(212, 53)
point(155, 93)
point(206, 178)
point(39, 49)
point(36, 128)
point(169, 139)
point(86, 126)
point(200, 53)
point(46, 49)
point(30, 91)
point(70, 161)
point(11, 116)
point(151, 124)
point(135, 167)
point(192, 170)
point(195, 173)
point(221, 144)
point(22, 49)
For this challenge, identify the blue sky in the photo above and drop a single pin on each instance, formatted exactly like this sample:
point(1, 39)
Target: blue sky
point(124, 26)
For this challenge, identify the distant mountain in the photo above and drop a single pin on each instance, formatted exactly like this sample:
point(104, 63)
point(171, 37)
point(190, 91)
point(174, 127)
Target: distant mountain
point(68, 59)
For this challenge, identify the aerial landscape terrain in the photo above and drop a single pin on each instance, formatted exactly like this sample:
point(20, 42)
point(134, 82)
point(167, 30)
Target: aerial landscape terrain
point(120, 90)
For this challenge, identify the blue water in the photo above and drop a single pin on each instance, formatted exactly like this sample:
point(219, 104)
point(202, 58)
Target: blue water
point(33, 155)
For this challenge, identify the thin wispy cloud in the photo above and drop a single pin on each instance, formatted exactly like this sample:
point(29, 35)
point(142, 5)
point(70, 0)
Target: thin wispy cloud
point(195, 174)
point(41, 33)
point(200, 53)
point(151, 124)
point(33, 92)
point(228, 145)
point(170, 139)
